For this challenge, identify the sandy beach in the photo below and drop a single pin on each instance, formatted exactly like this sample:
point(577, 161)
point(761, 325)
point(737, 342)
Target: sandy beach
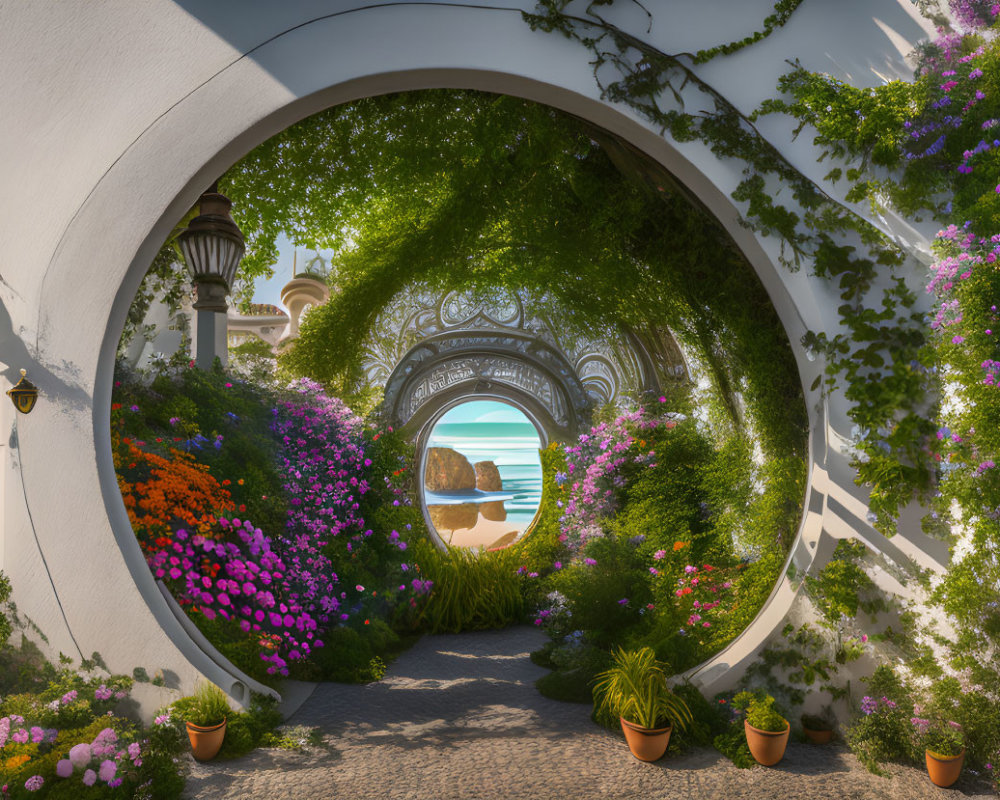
point(484, 534)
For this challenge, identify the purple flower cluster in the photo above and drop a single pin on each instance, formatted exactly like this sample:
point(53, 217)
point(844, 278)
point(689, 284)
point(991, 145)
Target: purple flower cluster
point(968, 254)
point(323, 456)
point(283, 588)
point(105, 748)
point(594, 472)
point(241, 579)
point(974, 14)
point(13, 730)
point(869, 705)
point(992, 369)
point(322, 453)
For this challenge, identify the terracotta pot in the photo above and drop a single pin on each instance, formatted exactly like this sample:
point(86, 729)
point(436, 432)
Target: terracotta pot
point(817, 737)
point(206, 741)
point(944, 770)
point(646, 744)
point(767, 747)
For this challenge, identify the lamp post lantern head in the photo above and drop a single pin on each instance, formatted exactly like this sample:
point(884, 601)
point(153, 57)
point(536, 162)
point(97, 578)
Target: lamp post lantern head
point(23, 394)
point(212, 246)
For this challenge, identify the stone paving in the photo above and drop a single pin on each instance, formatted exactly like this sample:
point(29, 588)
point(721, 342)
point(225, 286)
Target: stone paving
point(459, 717)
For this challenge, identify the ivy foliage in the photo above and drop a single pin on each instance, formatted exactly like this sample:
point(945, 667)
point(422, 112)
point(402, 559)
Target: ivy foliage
point(930, 148)
point(465, 190)
point(783, 10)
point(881, 352)
point(842, 587)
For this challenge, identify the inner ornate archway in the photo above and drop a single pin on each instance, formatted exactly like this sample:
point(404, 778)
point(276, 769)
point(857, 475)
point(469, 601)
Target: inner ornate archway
point(431, 348)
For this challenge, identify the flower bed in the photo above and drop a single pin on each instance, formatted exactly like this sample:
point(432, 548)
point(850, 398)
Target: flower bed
point(62, 736)
point(278, 591)
point(659, 545)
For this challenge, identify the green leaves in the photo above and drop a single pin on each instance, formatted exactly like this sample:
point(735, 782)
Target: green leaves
point(635, 687)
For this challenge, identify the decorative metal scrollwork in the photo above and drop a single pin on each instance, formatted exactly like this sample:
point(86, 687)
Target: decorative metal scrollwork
point(425, 341)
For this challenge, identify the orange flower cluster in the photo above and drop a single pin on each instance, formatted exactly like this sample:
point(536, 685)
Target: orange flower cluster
point(14, 762)
point(178, 492)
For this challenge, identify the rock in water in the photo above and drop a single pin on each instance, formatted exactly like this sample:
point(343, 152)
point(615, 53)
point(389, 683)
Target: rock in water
point(494, 511)
point(448, 470)
point(452, 518)
point(488, 477)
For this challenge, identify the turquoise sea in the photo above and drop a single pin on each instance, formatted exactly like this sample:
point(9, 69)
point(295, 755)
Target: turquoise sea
point(486, 430)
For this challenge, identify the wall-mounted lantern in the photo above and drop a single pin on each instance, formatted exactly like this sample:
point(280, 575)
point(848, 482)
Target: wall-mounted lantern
point(24, 394)
point(212, 246)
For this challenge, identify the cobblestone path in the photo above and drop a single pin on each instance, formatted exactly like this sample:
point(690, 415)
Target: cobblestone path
point(459, 717)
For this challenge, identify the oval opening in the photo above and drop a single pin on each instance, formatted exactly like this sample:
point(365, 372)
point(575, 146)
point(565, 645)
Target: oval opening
point(482, 482)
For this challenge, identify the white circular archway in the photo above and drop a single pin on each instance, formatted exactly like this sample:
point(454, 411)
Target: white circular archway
point(69, 549)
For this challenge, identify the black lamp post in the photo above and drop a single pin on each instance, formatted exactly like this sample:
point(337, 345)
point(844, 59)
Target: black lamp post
point(212, 246)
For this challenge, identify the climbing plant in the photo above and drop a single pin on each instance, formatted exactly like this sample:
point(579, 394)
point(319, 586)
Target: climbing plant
point(881, 354)
point(925, 148)
point(929, 148)
point(464, 190)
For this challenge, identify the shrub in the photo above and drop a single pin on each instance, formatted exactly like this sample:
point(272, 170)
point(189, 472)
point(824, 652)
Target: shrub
point(760, 711)
point(706, 721)
point(883, 732)
point(635, 688)
point(249, 729)
point(575, 664)
point(731, 741)
point(355, 653)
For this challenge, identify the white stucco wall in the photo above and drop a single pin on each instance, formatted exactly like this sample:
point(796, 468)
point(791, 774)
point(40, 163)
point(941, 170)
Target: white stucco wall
point(118, 114)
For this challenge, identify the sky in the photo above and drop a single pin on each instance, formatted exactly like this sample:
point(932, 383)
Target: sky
point(268, 290)
point(484, 411)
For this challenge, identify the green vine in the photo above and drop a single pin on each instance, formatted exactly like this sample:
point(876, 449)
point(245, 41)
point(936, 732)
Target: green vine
point(882, 355)
point(782, 12)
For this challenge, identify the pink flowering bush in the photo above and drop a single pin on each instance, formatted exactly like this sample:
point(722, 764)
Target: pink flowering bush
point(596, 472)
point(652, 511)
point(273, 593)
point(101, 749)
point(250, 587)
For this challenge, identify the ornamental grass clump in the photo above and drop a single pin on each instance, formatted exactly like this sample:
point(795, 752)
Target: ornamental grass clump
point(208, 706)
point(462, 589)
point(635, 688)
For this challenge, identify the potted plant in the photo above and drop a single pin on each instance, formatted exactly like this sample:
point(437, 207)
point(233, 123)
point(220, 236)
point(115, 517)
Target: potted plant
point(766, 730)
point(204, 714)
point(635, 691)
point(818, 728)
point(944, 749)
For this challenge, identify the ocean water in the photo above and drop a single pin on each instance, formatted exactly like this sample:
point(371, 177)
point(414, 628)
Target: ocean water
point(491, 431)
